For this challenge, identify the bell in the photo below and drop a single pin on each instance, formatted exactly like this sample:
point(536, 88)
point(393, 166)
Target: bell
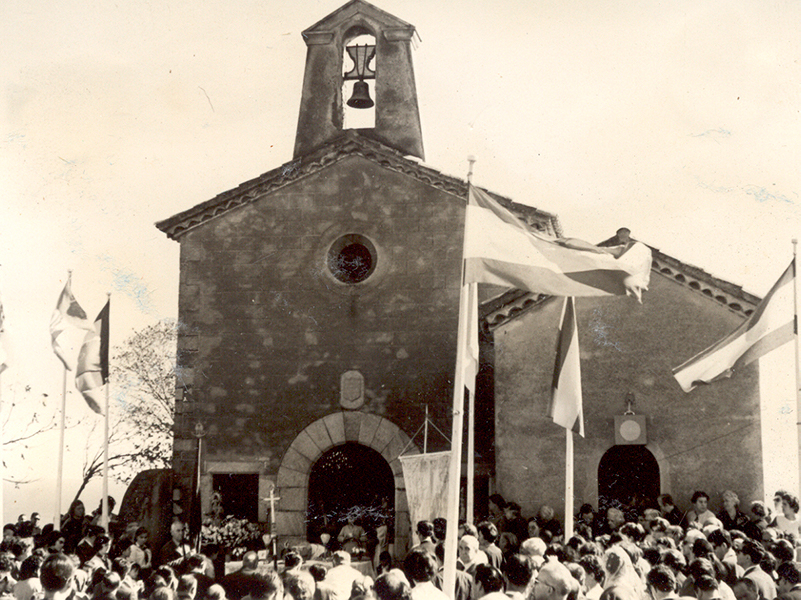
point(361, 96)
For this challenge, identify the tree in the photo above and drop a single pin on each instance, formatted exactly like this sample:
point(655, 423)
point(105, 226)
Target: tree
point(142, 407)
point(25, 417)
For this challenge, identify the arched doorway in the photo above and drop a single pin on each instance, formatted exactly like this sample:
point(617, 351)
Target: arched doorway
point(334, 430)
point(350, 481)
point(628, 476)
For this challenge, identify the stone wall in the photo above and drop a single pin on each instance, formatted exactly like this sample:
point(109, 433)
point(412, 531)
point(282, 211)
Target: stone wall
point(267, 331)
point(708, 439)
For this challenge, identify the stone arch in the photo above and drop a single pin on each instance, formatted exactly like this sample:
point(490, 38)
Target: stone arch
point(292, 482)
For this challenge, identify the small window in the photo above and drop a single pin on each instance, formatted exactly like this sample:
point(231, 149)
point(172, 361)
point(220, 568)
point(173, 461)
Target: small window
point(352, 258)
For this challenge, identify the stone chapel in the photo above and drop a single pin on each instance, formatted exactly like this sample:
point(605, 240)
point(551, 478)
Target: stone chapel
point(319, 305)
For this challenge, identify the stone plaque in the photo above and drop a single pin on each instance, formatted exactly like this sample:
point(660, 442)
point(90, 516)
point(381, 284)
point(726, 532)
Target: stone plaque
point(351, 393)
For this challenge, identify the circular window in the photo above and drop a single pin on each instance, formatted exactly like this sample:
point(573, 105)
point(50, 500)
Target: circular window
point(352, 258)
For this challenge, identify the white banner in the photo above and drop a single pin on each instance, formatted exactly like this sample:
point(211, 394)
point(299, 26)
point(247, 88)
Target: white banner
point(426, 478)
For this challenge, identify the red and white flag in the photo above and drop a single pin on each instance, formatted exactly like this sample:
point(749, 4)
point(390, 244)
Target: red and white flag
point(566, 406)
point(772, 324)
point(91, 374)
point(500, 249)
point(67, 318)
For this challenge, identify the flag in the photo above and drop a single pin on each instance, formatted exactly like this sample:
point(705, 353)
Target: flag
point(771, 325)
point(67, 315)
point(500, 249)
point(470, 360)
point(3, 355)
point(92, 371)
point(566, 407)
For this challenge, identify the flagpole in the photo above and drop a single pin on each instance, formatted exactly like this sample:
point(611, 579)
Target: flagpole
point(2, 469)
point(60, 465)
point(471, 411)
point(454, 473)
point(104, 519)
point(568, 484)
point(797, 366)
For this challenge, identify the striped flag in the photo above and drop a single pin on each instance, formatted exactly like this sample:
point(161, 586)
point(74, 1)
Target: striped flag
point(566, 406)
point(92, 371)
point(67, 317)
point(769, 326)
point(500, 249)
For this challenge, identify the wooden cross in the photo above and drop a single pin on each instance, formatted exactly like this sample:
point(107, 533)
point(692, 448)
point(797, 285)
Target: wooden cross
point(272, 499)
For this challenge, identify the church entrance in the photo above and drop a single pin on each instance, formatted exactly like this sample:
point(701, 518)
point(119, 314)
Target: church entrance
point(350, 486)
point(628, 478)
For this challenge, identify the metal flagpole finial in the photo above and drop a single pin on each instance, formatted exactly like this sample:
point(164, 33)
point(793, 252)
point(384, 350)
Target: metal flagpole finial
point(470, 161)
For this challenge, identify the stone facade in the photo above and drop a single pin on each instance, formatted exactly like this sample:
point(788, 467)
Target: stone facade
point(709, 439)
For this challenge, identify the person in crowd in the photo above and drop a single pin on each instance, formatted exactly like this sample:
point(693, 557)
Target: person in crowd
point(425, 533)
point(489, 583)
point(237, 584)
point(720, 539)
point(339, 579)
point(487, 536)
point(463, 585)
point(669, 511)
point(509, 545)
point(99, 558)
point(661, 583)
point(352, 536)
point(299, 586)
point(266, 586)
point(759, 520)
point(72, 525)
point(546, 517)
point(495, 506)
point(392, 586)
point(196, 565)
point(514, 521)
point(216, 592)
point(615, 519)
point(518, 571)
point(56, 578)
point(585, 522)
point(730, 515)
point(470, 554)
point(107, 587)
point(29, 586)
point(594, 576)
point(699, 515)
point(86, 547)
point(187, 587)
point(139, 552)
point(787, 520)
point(620, 570)
point(9, 537)
point(708, 588)
point(746, 589)
point(553, 582)
point(533, 528)
point(129, 586)
point(788, 581)
point(420, 567)
point(749, 557)
point(7, 580)
point(176, 549)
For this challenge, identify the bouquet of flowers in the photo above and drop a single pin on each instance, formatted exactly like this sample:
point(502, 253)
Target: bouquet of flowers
point(231, 535)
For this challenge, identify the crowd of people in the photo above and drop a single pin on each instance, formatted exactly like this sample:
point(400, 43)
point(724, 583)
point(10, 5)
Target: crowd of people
point(615, 554)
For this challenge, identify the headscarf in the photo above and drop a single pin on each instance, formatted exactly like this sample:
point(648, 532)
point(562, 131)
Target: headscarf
point(620, 572)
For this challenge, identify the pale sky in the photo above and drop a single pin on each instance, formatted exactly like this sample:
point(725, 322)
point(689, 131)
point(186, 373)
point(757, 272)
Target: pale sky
point(679, 120)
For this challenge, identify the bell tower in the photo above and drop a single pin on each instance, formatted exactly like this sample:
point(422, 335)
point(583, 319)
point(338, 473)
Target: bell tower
point(383, 69)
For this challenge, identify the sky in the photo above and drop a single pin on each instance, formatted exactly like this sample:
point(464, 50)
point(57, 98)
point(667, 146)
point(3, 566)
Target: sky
point(679, 120)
